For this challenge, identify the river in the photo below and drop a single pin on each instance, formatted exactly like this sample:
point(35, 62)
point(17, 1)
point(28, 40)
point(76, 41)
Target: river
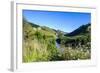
point(60, 49)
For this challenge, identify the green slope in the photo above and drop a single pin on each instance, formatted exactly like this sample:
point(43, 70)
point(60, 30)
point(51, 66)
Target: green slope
point(39, 43)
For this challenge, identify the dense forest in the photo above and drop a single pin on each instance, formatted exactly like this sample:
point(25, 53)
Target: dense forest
point(41, 43)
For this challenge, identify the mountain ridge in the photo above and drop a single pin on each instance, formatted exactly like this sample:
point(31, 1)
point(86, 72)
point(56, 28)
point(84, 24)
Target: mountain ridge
point(83, 29)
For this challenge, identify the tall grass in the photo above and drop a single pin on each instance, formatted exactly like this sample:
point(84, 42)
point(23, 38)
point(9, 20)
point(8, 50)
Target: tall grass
point(39, 47)
point(76, 54)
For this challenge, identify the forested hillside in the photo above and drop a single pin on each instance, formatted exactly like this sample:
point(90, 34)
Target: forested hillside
point(77, 44)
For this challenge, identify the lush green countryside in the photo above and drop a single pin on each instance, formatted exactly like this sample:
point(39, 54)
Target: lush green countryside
point(41, 43)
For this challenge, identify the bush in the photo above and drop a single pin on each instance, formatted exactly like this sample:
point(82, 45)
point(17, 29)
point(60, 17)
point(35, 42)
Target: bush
point(76, 54)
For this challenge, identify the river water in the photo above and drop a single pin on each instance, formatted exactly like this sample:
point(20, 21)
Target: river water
point(60, 49)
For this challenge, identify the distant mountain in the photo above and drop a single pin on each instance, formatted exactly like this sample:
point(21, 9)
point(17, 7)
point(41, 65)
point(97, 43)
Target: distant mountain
point(25, 22)
point(84, 29)
point(33, 25)
point(59, 31)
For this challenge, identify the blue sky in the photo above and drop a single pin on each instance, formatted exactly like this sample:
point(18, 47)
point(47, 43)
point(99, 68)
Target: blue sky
point(65, 21)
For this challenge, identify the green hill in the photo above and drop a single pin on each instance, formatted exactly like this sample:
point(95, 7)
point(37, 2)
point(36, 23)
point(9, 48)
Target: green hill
point(84, 29)
point(80, 36)
point(39, 43)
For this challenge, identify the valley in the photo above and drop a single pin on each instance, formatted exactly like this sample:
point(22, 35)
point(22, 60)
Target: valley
point(42, 43)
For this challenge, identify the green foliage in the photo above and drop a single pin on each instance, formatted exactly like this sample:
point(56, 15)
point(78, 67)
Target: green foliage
point(60, 35)
point(38, 35)
point(76, 54)
point(77, 45)
point(39, 44)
